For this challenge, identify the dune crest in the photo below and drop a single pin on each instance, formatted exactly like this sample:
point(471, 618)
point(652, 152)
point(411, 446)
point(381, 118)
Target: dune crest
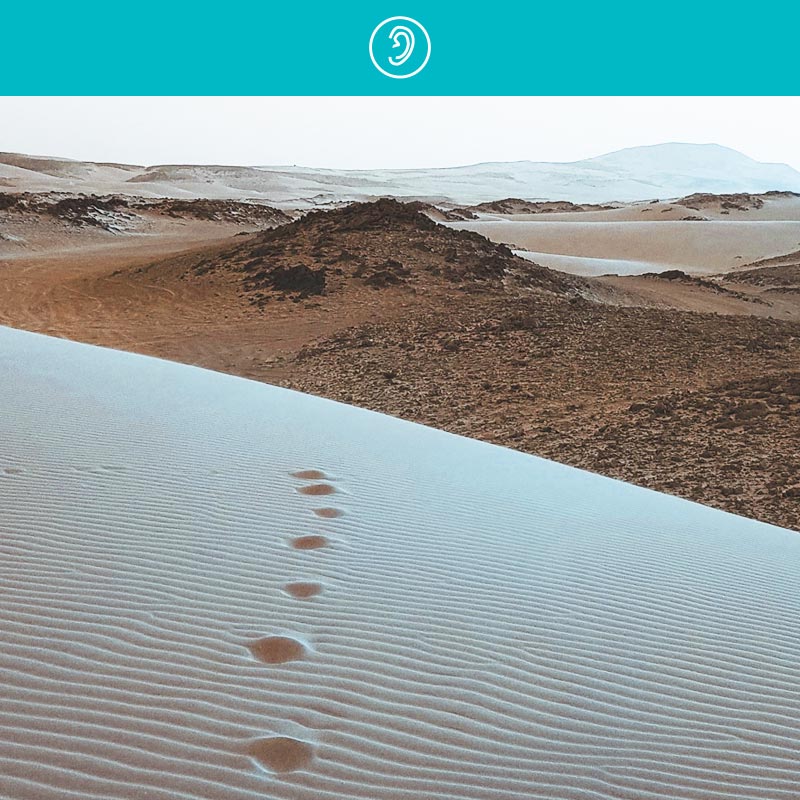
point(501, 627)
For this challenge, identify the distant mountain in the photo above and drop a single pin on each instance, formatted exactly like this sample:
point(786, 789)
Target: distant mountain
point(683, 168)
point(637, 173)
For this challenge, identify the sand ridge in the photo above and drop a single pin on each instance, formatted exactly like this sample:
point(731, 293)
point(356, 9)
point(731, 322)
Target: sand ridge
point(495, 625)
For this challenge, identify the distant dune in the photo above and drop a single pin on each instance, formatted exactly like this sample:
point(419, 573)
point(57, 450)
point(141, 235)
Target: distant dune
point(702, 234)
point(639, 173)
point(220, 590)
point(704, 247)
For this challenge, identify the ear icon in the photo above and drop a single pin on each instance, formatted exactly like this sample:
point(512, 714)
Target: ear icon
point(402, 37)
point(399, 47)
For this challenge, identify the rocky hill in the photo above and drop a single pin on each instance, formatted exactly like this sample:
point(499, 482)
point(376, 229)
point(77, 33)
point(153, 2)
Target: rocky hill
point(376, 245)
point(740, 201)
point(515, 205)
point(117, 213)
point(778, 275)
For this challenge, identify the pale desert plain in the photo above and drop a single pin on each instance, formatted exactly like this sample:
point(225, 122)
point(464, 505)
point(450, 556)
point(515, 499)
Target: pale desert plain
point(235, 564)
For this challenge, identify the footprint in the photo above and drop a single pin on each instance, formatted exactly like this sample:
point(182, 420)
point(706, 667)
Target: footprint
point(310, 475)
point(277, 649)
point(311, 542)
point(328, 513)
point(302, 590)
point(281, 754)
point(317, 489)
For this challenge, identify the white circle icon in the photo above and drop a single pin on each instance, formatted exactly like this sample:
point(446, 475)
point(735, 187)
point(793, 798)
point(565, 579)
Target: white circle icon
point(399, 47)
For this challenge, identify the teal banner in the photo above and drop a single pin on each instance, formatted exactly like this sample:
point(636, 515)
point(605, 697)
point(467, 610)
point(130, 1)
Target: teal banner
point(416, 48)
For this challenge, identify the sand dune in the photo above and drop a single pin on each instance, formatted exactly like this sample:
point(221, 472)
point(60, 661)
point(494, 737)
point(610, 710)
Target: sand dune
point(637, 173)
point(588, 267)
point(471, 622)
point(635, 247)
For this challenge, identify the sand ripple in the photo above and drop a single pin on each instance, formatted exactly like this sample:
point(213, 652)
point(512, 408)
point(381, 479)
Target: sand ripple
point(180, 620)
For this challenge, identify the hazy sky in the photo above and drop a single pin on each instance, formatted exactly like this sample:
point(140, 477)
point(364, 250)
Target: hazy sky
point(370, 132)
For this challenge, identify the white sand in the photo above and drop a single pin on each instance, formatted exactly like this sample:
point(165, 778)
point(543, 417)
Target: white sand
point(488, 624)
point(591, 267)
point(637, 173)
